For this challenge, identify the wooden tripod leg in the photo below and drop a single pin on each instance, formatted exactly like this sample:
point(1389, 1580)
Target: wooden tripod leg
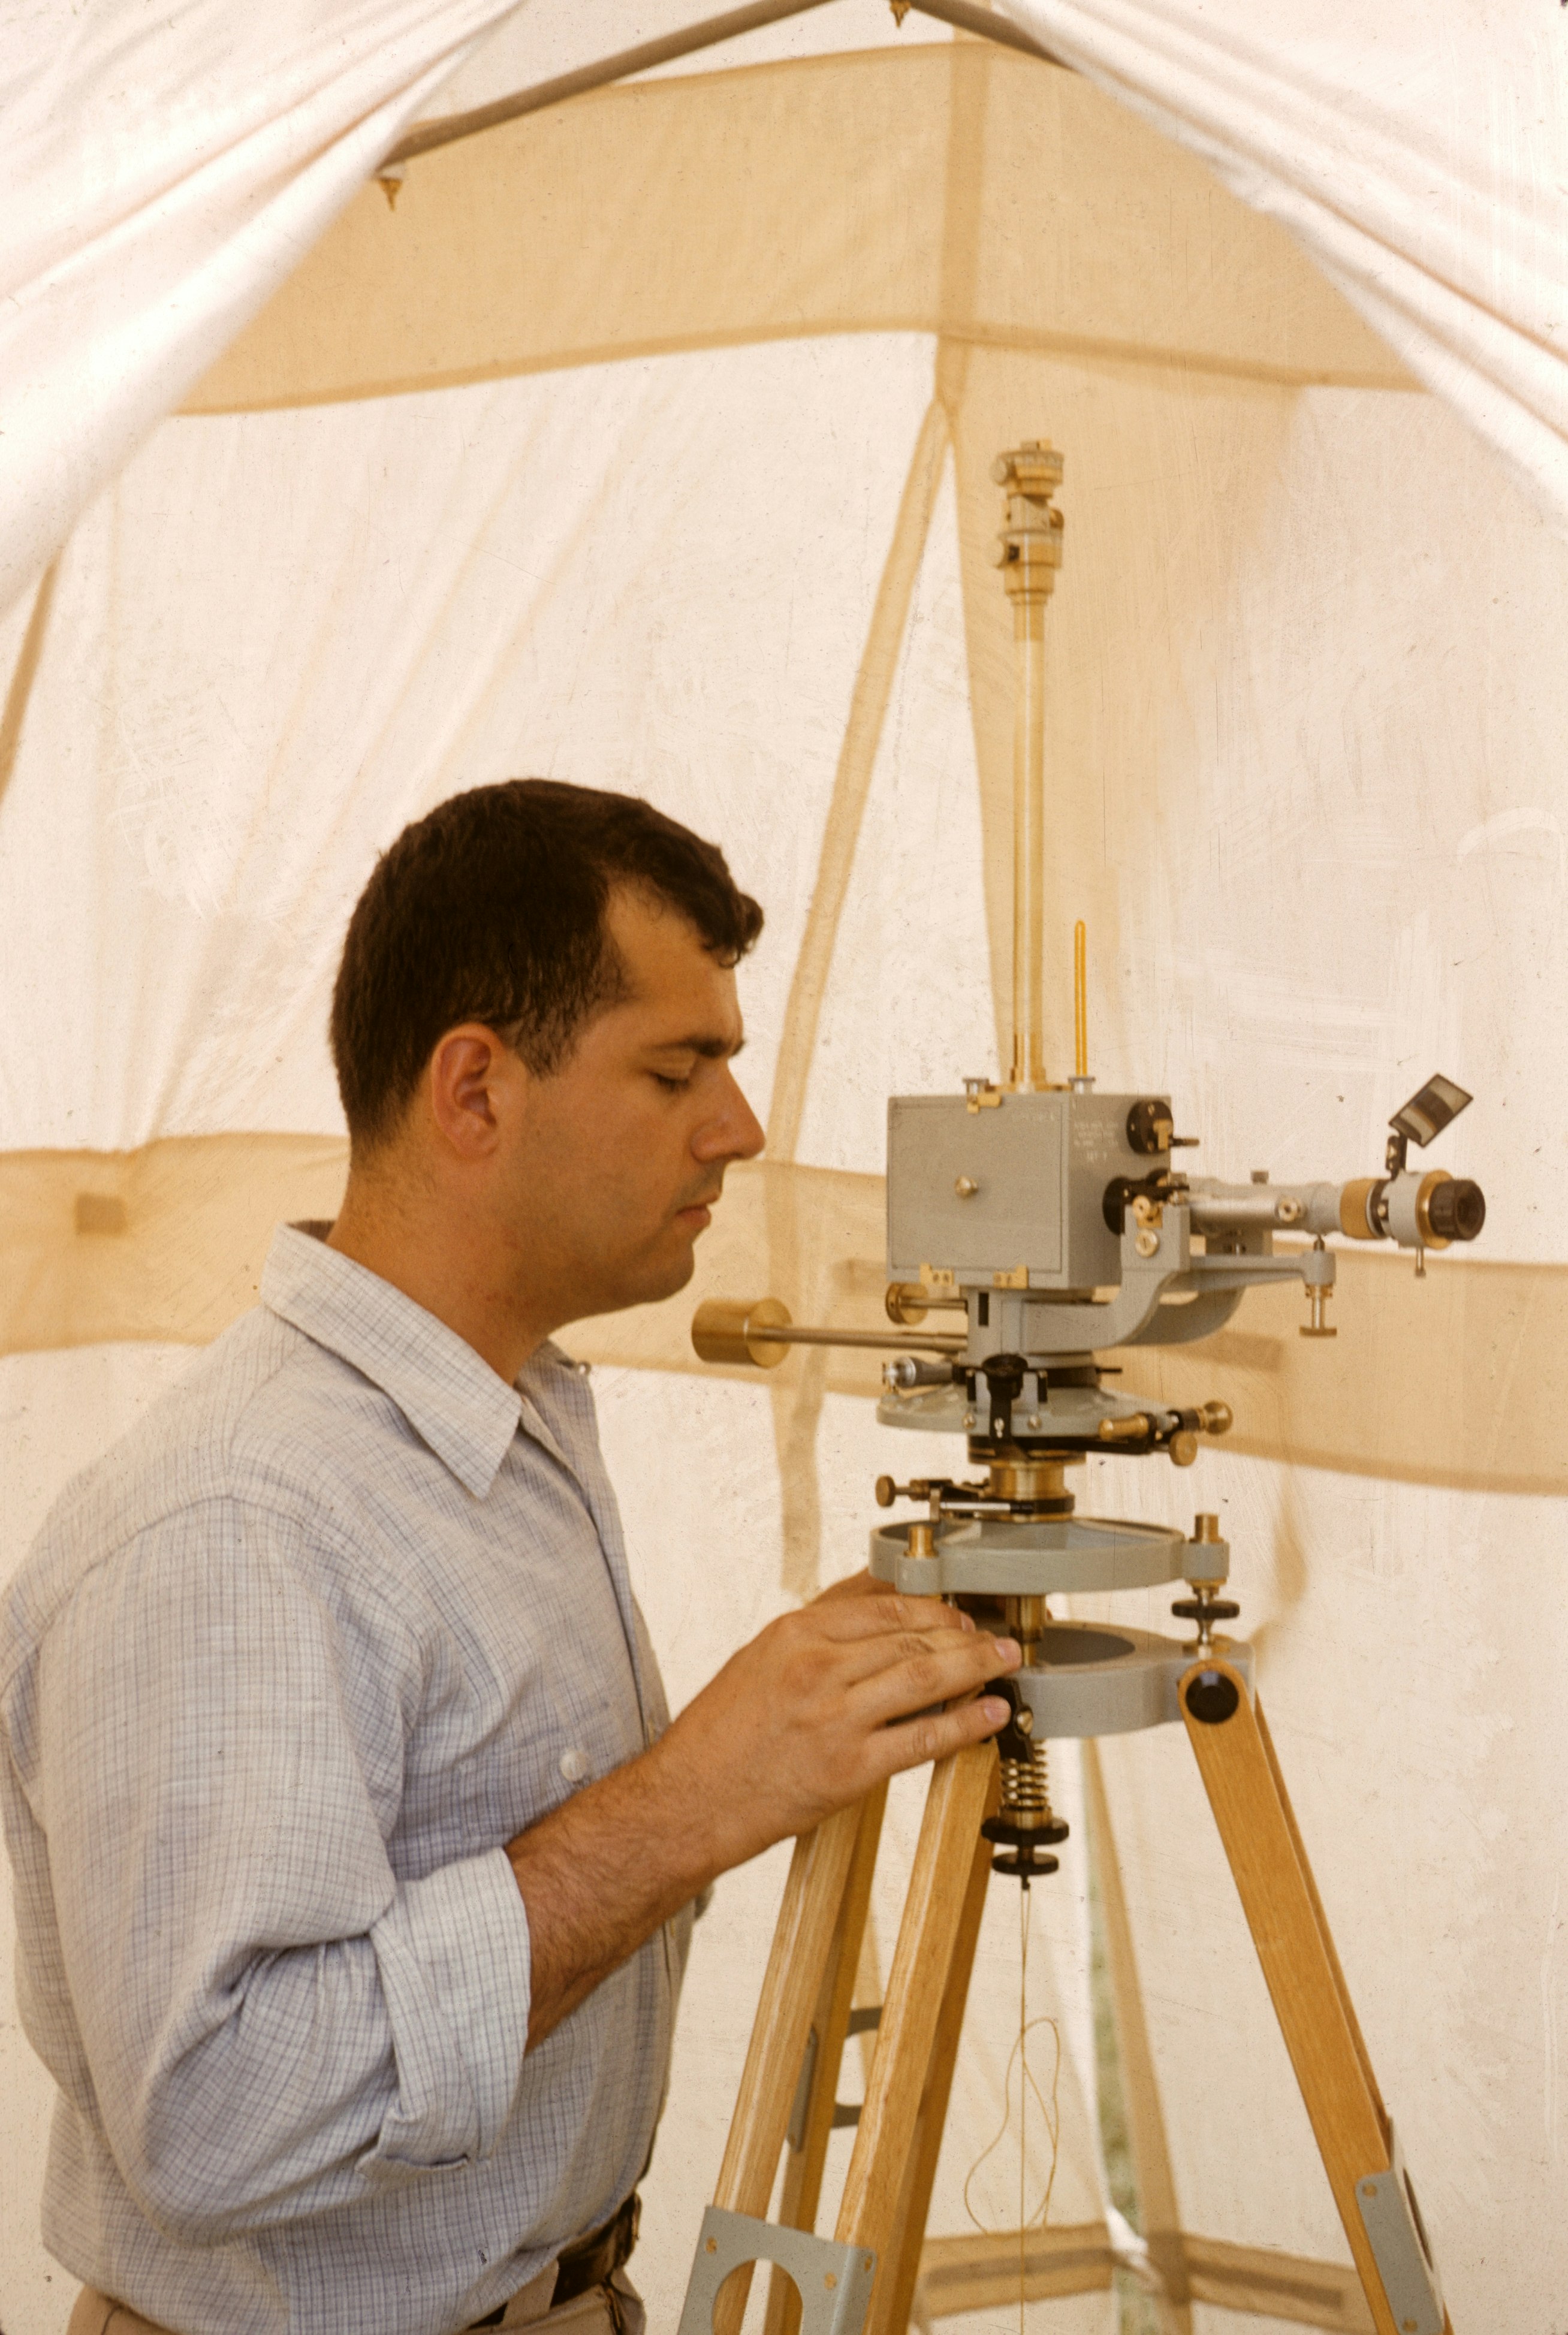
point(1300, 1965)
point(890, 2312)
point(1351, 2021)
point(808, 1920)
point(933, 1911)
point(804, 2163)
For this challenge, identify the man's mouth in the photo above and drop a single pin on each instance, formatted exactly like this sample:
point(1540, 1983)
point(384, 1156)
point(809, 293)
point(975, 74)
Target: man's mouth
point(697, 1213)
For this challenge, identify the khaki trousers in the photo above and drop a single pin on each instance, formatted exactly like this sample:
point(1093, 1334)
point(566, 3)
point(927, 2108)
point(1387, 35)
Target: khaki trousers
point(592, 2313)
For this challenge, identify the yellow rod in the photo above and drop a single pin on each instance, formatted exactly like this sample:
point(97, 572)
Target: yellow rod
point(1080, 998)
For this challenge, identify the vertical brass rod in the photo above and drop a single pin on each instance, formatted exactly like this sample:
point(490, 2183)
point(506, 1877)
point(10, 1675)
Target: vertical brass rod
point(1029, 553)
point(1080, 1000)
point(1029, 842)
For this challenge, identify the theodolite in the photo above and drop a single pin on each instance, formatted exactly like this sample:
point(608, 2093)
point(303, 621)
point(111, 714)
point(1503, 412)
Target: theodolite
point(1049, 1225)
point(1057, 1222)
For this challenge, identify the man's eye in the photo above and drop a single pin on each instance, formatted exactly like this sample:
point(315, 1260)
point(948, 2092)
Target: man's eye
point(671, 1086)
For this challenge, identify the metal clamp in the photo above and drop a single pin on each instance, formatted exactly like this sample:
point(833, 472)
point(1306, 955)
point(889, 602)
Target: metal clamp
point(1399, 2248)
point(834, 2280)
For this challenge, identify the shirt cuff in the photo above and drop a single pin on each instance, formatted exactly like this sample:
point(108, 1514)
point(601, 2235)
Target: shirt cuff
point(453, 1955)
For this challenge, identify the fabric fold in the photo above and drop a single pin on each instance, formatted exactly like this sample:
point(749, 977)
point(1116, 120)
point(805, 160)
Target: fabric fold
point(165, 172)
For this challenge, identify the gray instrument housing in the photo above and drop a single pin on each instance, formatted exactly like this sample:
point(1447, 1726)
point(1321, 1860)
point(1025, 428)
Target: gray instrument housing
point(1002, 1196)
point(1040, 1163)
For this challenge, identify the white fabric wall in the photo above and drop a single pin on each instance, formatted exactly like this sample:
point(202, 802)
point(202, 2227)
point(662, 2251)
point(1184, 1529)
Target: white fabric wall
point(163, 172)
point(306, 628)
point(1418, 158)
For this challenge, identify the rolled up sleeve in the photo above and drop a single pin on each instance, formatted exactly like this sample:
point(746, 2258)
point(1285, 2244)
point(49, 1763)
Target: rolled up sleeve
point(275, 2021)
point(442, 1950)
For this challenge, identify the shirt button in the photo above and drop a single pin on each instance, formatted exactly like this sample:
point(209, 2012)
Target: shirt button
point(574, 1764)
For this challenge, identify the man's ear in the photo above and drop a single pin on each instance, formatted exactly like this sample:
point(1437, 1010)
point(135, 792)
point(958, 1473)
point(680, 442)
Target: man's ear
point(474, 1082)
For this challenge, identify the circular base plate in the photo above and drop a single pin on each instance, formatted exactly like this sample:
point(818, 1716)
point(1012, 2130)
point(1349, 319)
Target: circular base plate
point(1097, 1678)
point(1002, 1557)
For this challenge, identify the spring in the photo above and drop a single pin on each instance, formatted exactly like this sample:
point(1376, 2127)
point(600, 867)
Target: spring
point(1026, 1787)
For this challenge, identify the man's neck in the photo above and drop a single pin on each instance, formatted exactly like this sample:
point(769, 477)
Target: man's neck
point(427, 1249)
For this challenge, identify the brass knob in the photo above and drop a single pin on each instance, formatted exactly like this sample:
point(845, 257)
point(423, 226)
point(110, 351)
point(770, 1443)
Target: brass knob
point(734, 1330)
point(965, 1186)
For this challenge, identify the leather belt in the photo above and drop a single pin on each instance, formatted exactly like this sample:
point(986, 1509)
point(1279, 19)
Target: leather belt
point(589, 2262)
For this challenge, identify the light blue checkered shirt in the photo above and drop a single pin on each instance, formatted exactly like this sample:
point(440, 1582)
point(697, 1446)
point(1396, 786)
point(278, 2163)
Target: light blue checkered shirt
point(283, 1672)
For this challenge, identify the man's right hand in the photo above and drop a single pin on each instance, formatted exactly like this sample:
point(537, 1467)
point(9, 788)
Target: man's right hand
point(820, 1706)
point(825, 1702)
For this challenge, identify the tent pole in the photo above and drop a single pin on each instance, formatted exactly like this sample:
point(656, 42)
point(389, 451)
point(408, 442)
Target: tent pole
point(426, 136)
point(987, 27)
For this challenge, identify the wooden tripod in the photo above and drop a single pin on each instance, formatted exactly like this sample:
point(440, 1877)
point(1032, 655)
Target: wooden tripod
point(791, 2081)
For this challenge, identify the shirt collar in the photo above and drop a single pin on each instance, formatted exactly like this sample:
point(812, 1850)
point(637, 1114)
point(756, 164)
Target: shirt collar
point(452, 1399)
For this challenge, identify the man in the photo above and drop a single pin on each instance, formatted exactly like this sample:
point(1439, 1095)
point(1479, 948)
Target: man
point(354, 1850)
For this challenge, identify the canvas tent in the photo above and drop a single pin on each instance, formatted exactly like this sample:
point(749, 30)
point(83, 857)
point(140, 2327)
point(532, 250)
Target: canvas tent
point(646, 441)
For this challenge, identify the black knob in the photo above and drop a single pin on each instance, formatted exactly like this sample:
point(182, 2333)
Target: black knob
point(1149, 1127)
point(1011, 1740)
point(1213, 1698)
point(1457, 1208)
point(1004, 1375)
point(1217, 1609)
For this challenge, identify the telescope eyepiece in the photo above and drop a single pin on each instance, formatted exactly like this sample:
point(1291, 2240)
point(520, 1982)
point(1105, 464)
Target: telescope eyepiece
point(1457, 1208)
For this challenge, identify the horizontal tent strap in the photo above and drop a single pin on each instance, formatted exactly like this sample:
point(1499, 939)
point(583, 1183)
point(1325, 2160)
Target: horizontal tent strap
point(1460, 1379)
point(794, 199)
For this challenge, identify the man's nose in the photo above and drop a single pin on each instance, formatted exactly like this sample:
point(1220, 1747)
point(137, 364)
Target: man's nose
point(734, 1132)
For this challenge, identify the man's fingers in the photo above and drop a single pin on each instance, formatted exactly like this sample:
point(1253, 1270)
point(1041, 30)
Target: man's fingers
point(934, 1734)
point(852, 1662)
point(936, 1672)
point(881, 1611)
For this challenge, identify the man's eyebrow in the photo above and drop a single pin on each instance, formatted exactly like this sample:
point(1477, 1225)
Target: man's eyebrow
point(704, 1042)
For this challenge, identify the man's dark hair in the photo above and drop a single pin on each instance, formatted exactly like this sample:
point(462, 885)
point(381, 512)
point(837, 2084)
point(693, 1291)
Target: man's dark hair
point(492, 909)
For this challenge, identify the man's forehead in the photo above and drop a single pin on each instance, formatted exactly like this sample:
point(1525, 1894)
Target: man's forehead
point(695, 1020)
point(683, 993)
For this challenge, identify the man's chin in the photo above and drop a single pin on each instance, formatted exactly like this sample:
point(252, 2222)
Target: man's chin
point(671, 1273)
point(651, 1279)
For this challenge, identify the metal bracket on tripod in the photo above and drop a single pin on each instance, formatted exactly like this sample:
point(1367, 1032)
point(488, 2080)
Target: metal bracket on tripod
point(1399, 2241)
point(834, 2280)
